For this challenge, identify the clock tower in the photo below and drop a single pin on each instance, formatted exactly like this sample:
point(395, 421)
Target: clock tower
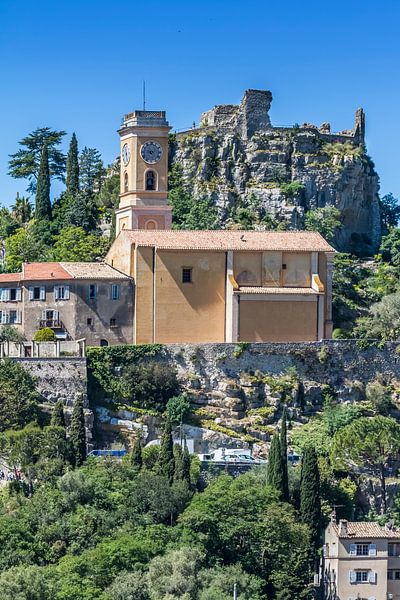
point(144, 172)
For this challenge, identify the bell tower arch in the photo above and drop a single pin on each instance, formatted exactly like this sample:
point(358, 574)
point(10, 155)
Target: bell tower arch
point(144, 172)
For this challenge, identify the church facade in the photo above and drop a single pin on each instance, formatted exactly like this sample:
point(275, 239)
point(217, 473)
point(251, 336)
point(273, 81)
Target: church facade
point(178, 286)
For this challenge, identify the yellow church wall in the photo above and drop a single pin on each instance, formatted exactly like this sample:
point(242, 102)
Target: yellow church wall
point(144, 306)
point(277, 321)
point(119, 256)
point(161, 168)
point(298, 269)
point(247, 267)
point(190, 312)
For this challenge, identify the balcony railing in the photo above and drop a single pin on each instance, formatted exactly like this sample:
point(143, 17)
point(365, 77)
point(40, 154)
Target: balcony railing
point(52, 323)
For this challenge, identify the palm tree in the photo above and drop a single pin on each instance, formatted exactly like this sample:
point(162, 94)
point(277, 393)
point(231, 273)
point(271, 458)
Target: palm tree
point(22, 209)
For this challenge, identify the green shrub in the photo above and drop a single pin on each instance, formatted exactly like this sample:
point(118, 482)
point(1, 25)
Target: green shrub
point(150, 385)
point(45, 335)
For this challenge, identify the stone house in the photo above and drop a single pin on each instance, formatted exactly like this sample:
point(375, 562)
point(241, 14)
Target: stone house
point(77, 300)
point(362, 561)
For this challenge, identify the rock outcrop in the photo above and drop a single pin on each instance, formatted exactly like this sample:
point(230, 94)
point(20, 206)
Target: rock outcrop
point(239, 160)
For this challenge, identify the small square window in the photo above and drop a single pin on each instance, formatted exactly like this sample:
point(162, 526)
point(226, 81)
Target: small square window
point(187, 275)
point(283, 266)
point(89, 321)
point(113, 322)
point(92, 291)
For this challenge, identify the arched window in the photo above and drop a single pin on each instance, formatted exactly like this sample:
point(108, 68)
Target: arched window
point(126, 182)
point(103, 343)
point(150, 180)
point(151, 225)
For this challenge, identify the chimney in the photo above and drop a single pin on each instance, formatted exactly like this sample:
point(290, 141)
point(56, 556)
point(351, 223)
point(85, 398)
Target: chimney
point(343, 528)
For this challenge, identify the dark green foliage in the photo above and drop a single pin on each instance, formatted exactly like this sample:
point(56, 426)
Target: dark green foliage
point(42, 199)
point(137, 459)
point(18, 396)
point(325, 220)
point(72, 179)
point(310, 496)
point(275, 476)
point(77, 433)
point(178, 408)
point(91, 170)
point(9, 333)
point(283, 441)
point(22, 210)
point(150, 384)
point(25, 163)
point(57, 415)
point(186, 463)
point(74, 244)
point(166, 460)
point(390, 212)
point(178, 462)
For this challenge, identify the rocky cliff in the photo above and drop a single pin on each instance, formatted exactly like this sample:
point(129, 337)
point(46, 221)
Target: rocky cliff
point(239, 160)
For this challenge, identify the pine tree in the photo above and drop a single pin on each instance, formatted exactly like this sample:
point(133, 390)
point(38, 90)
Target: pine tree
point(274, 467)
point(73, 167)
point(166, 462)
point(310, 499)
point(77, 433)
point(42, 201)
point(137, 460)
point(57, 416)
point(283, 442)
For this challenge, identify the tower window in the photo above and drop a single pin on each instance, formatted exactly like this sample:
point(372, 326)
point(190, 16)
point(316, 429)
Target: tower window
point(150, 180)
point(126, 182)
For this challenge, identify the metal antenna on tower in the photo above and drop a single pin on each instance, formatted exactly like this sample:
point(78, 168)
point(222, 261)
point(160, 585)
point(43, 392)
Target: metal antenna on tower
point(144, 95)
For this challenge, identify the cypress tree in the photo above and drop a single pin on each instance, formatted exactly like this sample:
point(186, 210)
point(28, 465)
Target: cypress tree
point(42, 201)
point(283, 442)
point(186, 465)
point(166, 462)
point(178, 457)
point(57, 416)
point(310, 498)
point(77, 433)
point(137, 460)
point(73, 167)
point(274, 466)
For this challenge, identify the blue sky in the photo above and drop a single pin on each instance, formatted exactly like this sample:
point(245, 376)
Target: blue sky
point(79, 66)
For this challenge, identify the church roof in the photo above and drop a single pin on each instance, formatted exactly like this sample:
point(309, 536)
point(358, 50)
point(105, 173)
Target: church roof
point(296, 241)
point(61, 271)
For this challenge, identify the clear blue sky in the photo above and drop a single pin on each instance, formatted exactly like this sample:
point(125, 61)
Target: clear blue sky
point(79, 66)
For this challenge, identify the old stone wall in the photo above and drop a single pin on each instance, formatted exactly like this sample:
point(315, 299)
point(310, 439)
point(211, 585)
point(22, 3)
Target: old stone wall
point(238, 159)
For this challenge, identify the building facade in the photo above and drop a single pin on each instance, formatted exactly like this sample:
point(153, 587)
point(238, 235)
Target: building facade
point(362, 561)
point(76, 300)
point(227, 286)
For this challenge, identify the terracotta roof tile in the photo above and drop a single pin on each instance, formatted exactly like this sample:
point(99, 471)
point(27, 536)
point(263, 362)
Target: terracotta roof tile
point(366, 529)
point(92, 270)
point(44, 271)
point(274, 290)
point(297, 241)
point(9, 277)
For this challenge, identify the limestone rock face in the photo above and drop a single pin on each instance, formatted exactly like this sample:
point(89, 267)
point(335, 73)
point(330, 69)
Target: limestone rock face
point(239, 160)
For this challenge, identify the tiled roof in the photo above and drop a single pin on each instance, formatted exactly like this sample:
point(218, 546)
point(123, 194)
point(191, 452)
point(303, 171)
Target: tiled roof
point(44, 271)
point(61, 271)
point(9, 277)
point(366, 529)
point(297, 241)
point(274, 290)
point(92, 270)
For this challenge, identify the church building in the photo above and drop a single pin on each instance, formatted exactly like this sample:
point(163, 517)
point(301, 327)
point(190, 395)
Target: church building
point(210, 286)
point(160, 285)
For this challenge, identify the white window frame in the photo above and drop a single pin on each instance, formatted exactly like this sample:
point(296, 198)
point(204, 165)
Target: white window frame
point(61, 292)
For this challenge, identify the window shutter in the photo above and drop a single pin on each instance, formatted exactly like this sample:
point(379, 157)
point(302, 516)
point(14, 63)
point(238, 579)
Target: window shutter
point(55, 315)
point(352, 576)
point(6, 295)
point(372, 598)
point(353, 549)
point(44, 315)
point(372, 577)
point(19, 317)
point(6, 316)
point(42, 292)
point(1, 295)
point(55, 293)
point(18, 294)
point(66, 292)
point(372, 550)
point(30, 293)
point(1, 316)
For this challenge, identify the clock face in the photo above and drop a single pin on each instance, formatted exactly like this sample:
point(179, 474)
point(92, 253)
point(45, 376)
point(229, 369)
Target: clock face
point(126, 154)
point(151, 152)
